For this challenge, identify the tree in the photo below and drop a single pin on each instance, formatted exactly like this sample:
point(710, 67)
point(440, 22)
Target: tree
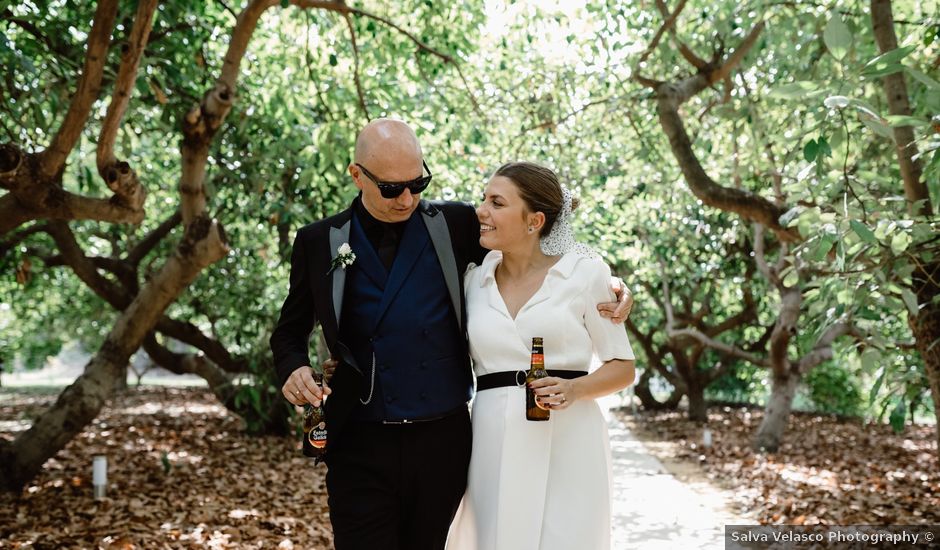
point(925, 278)
point(144, 295)
point(702, 287)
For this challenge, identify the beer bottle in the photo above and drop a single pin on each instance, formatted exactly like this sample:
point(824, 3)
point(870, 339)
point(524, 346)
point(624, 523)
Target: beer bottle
point(314, 428)
point(536, 370)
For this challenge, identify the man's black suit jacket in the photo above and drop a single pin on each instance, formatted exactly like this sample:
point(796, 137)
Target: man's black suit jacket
point(311, 300)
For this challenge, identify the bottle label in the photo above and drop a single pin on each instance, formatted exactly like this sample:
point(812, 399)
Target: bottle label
point(538, 358)
point(317, 437)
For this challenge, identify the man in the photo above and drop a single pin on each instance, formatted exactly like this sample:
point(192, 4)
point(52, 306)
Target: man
point(385, 280)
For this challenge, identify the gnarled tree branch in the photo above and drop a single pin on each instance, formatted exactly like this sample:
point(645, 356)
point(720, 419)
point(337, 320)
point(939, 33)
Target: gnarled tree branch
point(356, 79)
point(85, 268)
point(698, 335)
point(118, 175)
point(52, 160)
point(822, 351)
point(152, 239)
point(670, 96)
point(189, 333)
point(668, 24)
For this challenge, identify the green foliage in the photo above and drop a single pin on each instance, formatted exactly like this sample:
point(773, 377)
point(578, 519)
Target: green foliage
point(834, 389)
point(260, 404)
point(550, 84)
point(745, 383)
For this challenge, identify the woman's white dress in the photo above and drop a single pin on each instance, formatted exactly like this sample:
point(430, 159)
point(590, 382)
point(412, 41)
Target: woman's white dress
point(538, 485)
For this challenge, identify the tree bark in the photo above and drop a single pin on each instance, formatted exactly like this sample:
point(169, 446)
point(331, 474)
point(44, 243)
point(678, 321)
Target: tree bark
point(748, 205)
point(81, 402)
point(925, 326)
point(698, 408)
point(926, 329)
point(915, 188)
point(777, 414)
point(52, 160)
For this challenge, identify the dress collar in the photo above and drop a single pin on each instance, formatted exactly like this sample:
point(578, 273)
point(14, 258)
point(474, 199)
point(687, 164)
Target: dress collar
point(564, 267)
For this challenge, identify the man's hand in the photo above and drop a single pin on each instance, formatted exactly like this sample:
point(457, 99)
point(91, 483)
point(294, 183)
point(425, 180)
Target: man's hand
point(301, 388)
point(617, 311)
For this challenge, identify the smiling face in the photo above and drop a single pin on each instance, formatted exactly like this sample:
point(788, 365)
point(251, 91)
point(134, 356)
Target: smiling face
point(505, 221)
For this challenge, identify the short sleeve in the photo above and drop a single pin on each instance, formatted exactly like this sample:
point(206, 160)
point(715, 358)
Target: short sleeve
point(608, 339)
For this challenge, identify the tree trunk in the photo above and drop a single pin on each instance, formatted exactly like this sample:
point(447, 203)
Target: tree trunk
point(20, 461)
point(78, 405)
point(120, 381)
point(915, 188)
point(926, 324)
point(777, 414)
point(698, 409)
point(926, 329)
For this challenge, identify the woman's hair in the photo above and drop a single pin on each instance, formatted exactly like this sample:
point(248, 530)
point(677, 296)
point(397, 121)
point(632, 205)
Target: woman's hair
point(539, 188)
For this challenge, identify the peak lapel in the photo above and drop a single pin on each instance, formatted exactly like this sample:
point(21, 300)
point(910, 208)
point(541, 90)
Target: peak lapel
point(338, 236)
point(440, 238)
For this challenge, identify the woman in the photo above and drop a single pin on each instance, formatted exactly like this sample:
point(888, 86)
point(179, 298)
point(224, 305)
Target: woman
point(538, 485)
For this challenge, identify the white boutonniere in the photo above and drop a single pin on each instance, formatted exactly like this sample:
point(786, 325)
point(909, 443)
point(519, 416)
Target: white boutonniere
point(344, 258)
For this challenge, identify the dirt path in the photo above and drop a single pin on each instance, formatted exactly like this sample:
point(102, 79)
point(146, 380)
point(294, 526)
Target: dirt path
point(664, 506)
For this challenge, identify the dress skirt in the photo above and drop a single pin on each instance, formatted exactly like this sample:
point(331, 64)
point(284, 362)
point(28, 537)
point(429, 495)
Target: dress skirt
point(535, 485)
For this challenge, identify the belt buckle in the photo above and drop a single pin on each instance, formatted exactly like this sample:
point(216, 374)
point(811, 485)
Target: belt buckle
point(524, 374)
point(396, 422)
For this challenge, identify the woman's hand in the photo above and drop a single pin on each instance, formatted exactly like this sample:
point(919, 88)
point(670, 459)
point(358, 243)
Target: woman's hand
point(553, 393)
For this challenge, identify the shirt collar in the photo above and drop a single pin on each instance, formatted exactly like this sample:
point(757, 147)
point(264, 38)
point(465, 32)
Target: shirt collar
point(564, 267)
point(372, 225)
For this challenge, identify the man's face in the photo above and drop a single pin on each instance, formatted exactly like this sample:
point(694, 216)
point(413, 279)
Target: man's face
point(398, 209)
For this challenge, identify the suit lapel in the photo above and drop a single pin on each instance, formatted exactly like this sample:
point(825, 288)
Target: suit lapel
point(413, 242)
point(338, 236)
point(440, 238)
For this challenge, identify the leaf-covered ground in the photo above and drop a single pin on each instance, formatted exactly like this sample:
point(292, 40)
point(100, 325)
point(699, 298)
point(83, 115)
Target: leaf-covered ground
point(181, 475)
point(828, 471)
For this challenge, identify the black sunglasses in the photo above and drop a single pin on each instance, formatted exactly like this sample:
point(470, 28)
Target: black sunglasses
point(392, 189)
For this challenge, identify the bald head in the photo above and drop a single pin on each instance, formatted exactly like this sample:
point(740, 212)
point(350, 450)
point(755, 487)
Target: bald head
point(389, 144)
point(387, 153)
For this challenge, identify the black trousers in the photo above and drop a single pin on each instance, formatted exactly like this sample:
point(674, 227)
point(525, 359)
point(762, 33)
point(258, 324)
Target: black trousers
point(397, 487)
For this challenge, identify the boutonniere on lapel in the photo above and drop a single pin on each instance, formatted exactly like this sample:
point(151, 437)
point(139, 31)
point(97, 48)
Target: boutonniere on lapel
point(344, 258)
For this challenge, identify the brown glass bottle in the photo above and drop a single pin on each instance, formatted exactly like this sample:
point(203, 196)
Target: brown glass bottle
point(314, 428)
point(536, 371)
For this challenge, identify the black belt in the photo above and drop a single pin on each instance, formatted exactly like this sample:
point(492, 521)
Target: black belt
point(517, 378)
point(458, 410)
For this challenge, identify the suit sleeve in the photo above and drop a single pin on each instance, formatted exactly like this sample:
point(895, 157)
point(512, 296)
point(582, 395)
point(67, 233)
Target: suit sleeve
point(470, 232)
point(291, 337)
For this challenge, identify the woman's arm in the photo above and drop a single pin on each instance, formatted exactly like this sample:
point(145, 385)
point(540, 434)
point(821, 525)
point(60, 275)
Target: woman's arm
point(559, 393)
point(610, 344)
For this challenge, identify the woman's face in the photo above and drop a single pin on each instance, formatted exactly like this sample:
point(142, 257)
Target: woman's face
point(504, 218)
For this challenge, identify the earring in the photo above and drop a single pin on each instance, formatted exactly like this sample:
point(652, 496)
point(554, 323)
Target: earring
point(531, 230)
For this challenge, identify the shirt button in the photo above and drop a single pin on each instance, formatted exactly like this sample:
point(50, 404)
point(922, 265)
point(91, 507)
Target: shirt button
point(425, 331)
point(389, 399)
point(424, 365)
point(383, 368)
point(424, 395)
